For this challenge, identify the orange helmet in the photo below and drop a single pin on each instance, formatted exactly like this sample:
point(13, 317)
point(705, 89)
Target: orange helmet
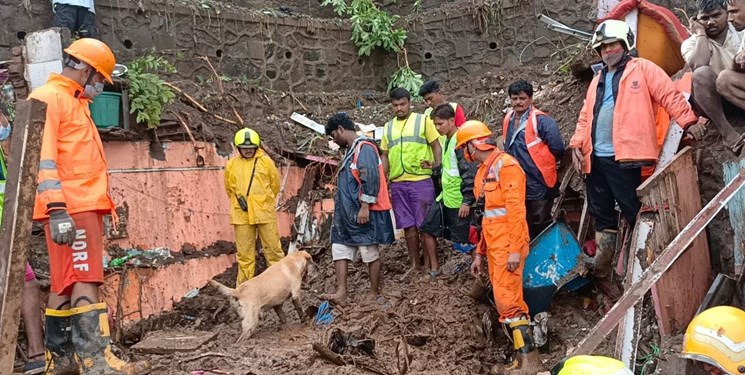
point(472, 130)
point(717, 337)
point(94, 53)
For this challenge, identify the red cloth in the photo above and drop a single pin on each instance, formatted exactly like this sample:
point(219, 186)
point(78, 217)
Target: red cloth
point(460, 116)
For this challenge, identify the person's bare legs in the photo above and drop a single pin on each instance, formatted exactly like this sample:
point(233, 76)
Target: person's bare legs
point(731, 86)
point(412, 245)
point(31, 314)
point(340, 297)
point(430, 249)
point(705, 89)
point(374, 269)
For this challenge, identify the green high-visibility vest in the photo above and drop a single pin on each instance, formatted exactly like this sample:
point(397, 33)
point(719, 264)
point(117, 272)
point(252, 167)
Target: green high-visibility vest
point(428, 111)
point(407, 147)
point(451, 180)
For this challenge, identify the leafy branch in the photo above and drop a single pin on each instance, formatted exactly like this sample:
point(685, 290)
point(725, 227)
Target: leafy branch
point(371, 27)
point(148, 94)
point(374, 28)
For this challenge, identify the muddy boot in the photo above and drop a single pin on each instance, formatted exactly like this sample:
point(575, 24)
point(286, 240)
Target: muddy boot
point(603, 265)
point(90, 336)
point(527, 360)
point(602, 262)
point(60, 353)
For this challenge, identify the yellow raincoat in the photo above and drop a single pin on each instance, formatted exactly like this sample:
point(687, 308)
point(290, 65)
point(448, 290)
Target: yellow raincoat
point(263, 197)
point(261, 218)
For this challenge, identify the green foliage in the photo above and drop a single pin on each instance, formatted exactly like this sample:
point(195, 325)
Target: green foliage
point(406, 78)
point(148, 95)
point(371, 27)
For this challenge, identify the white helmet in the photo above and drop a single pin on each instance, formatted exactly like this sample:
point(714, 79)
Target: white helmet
point(613, 31)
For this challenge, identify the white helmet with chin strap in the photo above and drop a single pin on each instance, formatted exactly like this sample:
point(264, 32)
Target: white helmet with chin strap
point(610, 31)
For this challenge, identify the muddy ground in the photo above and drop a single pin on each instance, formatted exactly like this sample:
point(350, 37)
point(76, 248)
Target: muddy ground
point(440, 321)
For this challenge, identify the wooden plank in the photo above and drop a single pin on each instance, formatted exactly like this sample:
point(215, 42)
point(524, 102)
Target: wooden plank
point(670, 145)
point(665, 260)
point(672, 192)
point(736, 209)
point(627, 339)
point(15, 238)
point(308, 123)
point(125, 109)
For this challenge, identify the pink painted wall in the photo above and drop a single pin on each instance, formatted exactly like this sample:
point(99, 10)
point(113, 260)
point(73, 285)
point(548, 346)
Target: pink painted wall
point(171, 208)
point(161, 288)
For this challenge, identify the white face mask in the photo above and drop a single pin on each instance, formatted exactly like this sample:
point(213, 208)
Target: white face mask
point(92, 91)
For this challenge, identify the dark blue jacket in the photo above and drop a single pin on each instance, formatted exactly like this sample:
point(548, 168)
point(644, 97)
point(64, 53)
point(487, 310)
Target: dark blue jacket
point(548, 131)
point(345, 230)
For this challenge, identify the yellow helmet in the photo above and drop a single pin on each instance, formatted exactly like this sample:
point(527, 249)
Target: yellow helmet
point(591, 365)
point(717, 337)
point(247, 138)
point(610, 31)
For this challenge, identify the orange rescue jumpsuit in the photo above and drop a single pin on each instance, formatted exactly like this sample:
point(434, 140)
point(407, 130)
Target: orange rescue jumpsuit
point(500, 182)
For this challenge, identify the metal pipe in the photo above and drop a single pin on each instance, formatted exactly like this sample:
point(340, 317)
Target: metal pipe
point(166, 169)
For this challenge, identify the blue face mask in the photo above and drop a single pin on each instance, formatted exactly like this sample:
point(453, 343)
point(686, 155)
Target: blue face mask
point(4, 132)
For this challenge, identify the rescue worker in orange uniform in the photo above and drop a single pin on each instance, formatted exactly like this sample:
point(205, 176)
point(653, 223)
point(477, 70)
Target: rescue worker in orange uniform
point(71, 198)
point(617, 135)
point(500, 186)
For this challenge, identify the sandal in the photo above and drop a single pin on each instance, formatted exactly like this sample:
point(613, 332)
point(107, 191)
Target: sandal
point(738, 147)
point(34, 367)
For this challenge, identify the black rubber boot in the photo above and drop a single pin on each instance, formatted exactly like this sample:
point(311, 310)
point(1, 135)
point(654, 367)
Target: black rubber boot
point(90, 336)
point(527, 360)
point(60, 352)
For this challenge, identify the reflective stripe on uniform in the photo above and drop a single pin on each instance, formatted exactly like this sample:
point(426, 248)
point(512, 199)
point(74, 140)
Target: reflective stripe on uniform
point(452, 165)
point(47, 185)
point(407, 139)
point(417, 138)
point(494, 171)
point(537, 139)
point(495, 212)
point(47, 164)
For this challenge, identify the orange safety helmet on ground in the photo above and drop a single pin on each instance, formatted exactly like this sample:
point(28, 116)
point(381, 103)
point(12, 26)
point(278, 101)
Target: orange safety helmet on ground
point(717, 337)
point(473, 130)
point(94, 53)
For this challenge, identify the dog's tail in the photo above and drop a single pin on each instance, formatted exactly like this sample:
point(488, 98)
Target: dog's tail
point(230, 292)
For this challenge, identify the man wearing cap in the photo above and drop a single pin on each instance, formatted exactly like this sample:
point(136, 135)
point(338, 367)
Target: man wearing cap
point(71, 198)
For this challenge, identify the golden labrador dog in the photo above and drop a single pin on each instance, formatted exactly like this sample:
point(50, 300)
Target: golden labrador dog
point(269, 290)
